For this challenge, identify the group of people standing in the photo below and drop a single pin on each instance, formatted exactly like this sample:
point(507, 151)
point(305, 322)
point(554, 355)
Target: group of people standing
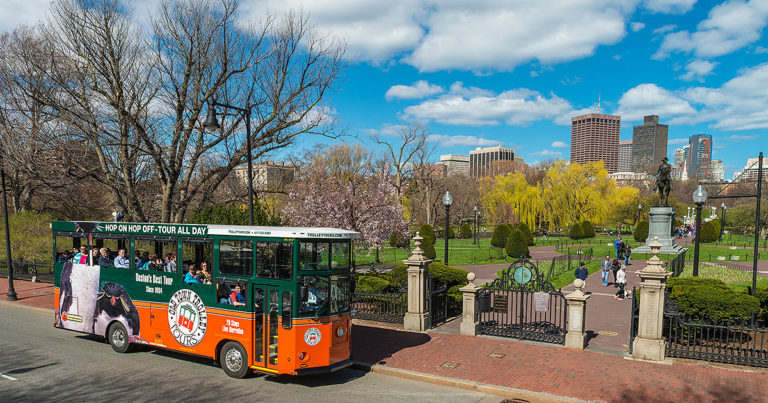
point(623, 250)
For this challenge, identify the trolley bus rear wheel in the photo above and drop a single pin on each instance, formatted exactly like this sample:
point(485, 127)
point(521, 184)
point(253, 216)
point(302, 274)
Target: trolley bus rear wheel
point(234, 360)
point(118, 338)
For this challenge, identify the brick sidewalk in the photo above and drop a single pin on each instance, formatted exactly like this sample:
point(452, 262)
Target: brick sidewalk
point(553, 370)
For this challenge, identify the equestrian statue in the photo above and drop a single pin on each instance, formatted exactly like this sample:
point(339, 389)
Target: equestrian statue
point(663, 181)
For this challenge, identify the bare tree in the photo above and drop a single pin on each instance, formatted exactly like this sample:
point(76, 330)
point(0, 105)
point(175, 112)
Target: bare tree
point(402, 155)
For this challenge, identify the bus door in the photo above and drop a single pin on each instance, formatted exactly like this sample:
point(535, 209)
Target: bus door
point(267, 319)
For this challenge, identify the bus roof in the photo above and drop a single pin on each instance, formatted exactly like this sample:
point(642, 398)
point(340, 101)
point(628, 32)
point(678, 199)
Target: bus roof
point(202, 230)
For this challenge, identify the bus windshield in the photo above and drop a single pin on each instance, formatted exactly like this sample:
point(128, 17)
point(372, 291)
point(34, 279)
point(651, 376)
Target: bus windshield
point(324, 295)
point(324, 255)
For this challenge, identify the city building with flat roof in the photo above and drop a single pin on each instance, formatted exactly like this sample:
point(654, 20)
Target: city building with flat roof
point(625, 156)
point(481, 159)
point(649, 144)
point(268, 176)
point(595, 137)
point(718, 170)
point(749, 173)
point(699, 156)
point(455, 164)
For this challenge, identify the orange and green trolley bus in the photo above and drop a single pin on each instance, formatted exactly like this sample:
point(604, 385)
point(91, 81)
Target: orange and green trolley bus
point(271, 299)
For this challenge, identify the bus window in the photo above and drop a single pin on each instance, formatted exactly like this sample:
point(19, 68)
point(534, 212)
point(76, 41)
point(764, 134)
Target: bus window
point(274, 260)
point(314, 255)
point(286, 315)
point(195, 251)
point(314, 295)
point(112, 243)
point(236, 257)
point(68, 245)
point(148, 249)
point(340, 255)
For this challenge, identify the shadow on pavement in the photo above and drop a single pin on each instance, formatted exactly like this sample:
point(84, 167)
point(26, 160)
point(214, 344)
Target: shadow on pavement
point(373, 345)
point(720, 392)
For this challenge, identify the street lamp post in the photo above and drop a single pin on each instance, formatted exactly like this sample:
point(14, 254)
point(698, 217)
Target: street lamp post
point(639, 209)
point(447, 200)
point(11, 295)
point(723, 207)
point(699, 197)
point(474, 234)
point(211, 123)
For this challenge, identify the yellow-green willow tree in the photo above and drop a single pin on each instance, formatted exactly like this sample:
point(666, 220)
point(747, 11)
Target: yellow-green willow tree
point(505, 197)
point(574, 193)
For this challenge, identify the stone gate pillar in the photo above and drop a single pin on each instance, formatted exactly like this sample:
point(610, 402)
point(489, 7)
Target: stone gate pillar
point(577, 302)
point(417, 317)
point(469, 307)
point(648, 344)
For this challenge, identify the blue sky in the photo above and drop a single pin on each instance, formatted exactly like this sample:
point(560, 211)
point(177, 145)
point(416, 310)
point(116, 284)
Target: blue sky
point(486, 72)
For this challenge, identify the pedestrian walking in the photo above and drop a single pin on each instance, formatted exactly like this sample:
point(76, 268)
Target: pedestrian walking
point(582, 273)
point(622, 280)
point(627, 254)
point(617, 245)
point(605, 265)
point(615, 266)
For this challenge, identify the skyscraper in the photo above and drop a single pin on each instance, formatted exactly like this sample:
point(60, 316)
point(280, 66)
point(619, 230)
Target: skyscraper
point(718, 170)
point(649, 144)
point(625, 156)
point(699, 156)
point(595, 137)
point(480, 159)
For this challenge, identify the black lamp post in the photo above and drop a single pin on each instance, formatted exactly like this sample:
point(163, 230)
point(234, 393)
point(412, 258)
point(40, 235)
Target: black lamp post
point(11, 295)
point(474, 234)
point(211, 123)
point(639, 209)
point(699, 197)
point(447, 200)
point(723, 207)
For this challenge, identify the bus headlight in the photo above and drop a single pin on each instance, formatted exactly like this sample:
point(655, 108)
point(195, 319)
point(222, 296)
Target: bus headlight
point(341, 331)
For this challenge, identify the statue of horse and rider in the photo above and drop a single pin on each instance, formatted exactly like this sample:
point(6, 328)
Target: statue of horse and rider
point(663, 181)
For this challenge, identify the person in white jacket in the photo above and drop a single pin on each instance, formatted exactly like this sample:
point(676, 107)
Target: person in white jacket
point(621, 278)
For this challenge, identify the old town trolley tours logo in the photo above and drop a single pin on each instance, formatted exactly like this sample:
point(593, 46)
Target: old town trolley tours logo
point(187, 317)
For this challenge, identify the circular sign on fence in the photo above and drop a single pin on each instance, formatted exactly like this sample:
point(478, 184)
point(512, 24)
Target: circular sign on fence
point(522, 275)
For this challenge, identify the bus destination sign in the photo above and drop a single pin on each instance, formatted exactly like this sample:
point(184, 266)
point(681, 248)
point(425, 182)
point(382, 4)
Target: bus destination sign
point(154, 229)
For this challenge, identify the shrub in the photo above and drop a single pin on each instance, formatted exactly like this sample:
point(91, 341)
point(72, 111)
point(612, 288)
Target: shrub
point(523, 227)
point(429, 249)
point(709, 232)
point(500, 235)
point(451, 233)
point(371, 284)
point(588, 229)
point(442, 274)
point(427, 232)
point(516, 246)
point(711, 299)
point(393, 239)
point(398, 275)
point(465, 231)
point(576, 232)
point(641, 231)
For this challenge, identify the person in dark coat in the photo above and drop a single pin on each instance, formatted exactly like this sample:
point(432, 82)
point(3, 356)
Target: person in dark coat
point(615, 265)
point(581, 272)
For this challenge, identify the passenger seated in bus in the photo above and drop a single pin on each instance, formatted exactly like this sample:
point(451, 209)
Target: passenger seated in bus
point(206, 277)
point(82, 256)
point(62, 257)
point(315, 298)
point(122, 262)
point(190, 277)
point(155, 263)
point(137, 259)
point(237, 297)
point(170, 263)
point(223, 292)
point(144, 261)
point(104, 259)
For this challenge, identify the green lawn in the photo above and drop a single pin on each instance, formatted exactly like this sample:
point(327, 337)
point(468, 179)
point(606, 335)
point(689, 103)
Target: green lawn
point(460, 252)
point(736, 279)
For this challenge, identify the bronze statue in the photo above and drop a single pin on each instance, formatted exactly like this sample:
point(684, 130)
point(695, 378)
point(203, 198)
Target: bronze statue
point(663, 181)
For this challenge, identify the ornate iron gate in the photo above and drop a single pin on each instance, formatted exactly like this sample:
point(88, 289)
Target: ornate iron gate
point(521, 304)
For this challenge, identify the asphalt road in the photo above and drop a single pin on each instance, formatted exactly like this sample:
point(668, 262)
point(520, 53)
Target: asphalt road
point(41, 363)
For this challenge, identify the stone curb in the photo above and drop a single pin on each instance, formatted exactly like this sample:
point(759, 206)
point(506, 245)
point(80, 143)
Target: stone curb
point(505, 392)
point(18, 304)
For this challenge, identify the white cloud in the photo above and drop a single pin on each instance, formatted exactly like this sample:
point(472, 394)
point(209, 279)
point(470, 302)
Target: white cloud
point(419, 89)
point(547, 153)
point(729, 26)
point(15, 12)
point(564, 119)
point(559, 144)
point(387, 129)
point(677, 141)
point(478, 107)
point(697, 69)
point(451, 141)
point(738, 137)
point(647, 99)
point(664, 29)
point(636, 26)
point(669, 6)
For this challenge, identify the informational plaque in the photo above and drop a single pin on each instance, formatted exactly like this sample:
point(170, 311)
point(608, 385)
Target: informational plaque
point(500, 303)
point(540, 301)
point(574, 318)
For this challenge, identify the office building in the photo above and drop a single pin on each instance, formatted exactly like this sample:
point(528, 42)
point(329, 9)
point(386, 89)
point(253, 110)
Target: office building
point(480, 159)
point(699, 156)
point(455, 164)
point(268, 176)
point(595, 137)
point(717, 170)
point(678, 163)
point(625, 156)
point(649, 144)
point(749, 173)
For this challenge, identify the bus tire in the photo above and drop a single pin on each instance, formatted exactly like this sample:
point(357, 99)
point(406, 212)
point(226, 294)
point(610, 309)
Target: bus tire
point(118, 338)
point(234, 360)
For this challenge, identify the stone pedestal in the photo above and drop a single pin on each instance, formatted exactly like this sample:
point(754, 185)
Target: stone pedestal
point(577, 301)
point(648, 344)
point(417, 317)
point(660, 226)
point(469, 307)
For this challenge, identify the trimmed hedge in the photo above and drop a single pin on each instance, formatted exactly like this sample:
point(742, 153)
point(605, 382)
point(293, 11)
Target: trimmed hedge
point(427, 232)
point(516, 245)
point(429, 249)
point(641, 231)
point(500, 235)
point(710, 299)
point(465, 231)
point(371, 284)
point(398, 275)
point(588, 229)
point(523, 227)
point(576, 232)
point(453, 277)
point(710, 231)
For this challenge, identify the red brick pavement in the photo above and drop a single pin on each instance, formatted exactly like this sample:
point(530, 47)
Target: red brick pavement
point(554, 370)
point(39, 295)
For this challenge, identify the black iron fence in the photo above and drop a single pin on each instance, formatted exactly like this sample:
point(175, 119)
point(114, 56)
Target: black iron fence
point(634, 318)
point(438, 303)
point(41, 272)
point(565, 263)
point(383, 307)
point(677, 264)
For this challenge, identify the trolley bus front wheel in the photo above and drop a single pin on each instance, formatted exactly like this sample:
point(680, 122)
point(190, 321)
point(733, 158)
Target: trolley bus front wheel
point(234, 360)
point(118, 338)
